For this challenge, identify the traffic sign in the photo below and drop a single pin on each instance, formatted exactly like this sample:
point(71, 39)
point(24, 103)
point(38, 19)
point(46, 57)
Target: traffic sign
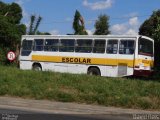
point(11, 56)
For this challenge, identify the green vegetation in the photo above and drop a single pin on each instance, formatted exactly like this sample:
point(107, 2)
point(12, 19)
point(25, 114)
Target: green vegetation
point(119, 92)
point(78, 24)
point(34, 24)
point(102, 25)
point(11, 29)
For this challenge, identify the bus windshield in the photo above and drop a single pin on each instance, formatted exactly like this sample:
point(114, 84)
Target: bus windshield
point(145, 47)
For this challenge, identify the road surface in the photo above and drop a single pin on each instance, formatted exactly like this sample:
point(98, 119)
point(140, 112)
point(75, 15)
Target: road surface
point(14, 114)
point(28, 109)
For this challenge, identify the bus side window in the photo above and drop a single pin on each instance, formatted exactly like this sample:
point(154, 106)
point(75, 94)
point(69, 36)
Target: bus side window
point(112, 46)
point(51, 45)
point(99, 46)
point(38, 45)
point(67, 45)
point(126, 47)
point(84, 45)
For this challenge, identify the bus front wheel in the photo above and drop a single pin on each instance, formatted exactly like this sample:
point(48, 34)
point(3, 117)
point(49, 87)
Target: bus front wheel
point(94, 71)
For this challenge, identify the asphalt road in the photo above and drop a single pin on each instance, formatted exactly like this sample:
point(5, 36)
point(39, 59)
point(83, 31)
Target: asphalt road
point(26, 109)
point(17, 114)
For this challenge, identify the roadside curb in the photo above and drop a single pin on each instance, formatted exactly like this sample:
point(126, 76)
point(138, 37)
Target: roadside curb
point(45, 106)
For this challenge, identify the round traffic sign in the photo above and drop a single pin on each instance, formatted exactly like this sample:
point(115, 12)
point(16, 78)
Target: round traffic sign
point(11, 56)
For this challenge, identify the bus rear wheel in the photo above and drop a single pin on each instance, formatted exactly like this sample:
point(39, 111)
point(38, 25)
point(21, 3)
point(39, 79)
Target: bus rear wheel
point(37, 67)
point(94, 71)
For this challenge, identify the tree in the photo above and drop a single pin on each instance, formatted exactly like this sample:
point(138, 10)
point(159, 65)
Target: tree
point(151, 28)
point(10, 28)
point(32, 20)
point(34, 24)
point(37, 24)
point(42, 33)
point(78, 24)
point(12, 12)
point(102, 25)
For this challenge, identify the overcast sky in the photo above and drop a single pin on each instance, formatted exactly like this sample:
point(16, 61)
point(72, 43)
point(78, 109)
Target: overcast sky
point(125, 15)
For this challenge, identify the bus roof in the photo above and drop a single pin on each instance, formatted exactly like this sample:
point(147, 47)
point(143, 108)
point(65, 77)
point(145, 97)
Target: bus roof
point(96, 36)
point(85, 36)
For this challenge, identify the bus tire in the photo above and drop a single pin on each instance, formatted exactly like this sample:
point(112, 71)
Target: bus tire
point(37, 67)
point(94, 71)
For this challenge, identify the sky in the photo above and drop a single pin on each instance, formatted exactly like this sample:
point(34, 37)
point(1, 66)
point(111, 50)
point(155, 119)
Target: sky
point(126, 16)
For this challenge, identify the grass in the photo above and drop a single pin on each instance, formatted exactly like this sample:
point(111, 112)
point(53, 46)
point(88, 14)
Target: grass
point(118, 92)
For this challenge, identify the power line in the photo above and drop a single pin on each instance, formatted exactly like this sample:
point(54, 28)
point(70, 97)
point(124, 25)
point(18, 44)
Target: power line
point(93, 20)
point(128, 17)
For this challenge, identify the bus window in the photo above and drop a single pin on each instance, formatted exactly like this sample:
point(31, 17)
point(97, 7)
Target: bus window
point(126, 47)
point(112, 46)
point(51, 45)
point(145, 47)
point(26, 47)
point(38, 45)
point(67, 45)
point(99, 46)
point(84, 45)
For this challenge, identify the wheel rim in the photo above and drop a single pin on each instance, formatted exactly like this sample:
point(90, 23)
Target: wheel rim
point(36, 68)
point(93, 72)
point(90, 73)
